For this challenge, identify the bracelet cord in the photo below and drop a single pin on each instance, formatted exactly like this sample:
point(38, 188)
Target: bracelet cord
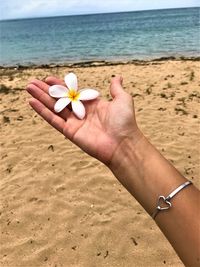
point(167, 199)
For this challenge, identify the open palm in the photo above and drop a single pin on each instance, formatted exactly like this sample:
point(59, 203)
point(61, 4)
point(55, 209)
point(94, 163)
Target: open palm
point(105, 126)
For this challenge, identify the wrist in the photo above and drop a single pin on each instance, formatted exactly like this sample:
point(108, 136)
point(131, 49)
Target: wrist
point(131, 146)
point(129, 159)
point(143, 171)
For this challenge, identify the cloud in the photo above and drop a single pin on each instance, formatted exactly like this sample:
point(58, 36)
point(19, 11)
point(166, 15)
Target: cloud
point(23, 8)
point(38, 8)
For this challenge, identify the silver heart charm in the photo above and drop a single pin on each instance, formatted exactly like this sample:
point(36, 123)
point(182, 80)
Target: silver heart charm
point(163, 204)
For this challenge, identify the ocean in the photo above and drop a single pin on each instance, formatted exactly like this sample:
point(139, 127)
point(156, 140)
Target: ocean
point(113, 36)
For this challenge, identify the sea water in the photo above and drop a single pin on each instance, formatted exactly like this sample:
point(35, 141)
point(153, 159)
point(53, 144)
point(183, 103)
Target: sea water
point(113, 36)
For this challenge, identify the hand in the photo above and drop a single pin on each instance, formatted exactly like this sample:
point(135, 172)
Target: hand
point(109, 132)
point(105, 127)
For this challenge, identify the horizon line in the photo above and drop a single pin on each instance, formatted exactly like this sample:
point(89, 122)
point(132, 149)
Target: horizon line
point(98, 13)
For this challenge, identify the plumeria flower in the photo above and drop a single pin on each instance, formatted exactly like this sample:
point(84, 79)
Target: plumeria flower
point(71, 94)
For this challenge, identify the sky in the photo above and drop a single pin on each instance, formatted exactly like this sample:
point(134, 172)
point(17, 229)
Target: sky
point(11, 9)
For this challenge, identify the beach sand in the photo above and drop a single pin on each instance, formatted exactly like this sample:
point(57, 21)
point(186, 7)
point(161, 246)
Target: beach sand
point(60, 207)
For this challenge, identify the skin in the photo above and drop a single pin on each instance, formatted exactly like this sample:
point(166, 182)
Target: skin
point(110, 134)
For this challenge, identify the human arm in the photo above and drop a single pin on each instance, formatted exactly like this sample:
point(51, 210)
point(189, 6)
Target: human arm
point(110, 133)
point(147, 174)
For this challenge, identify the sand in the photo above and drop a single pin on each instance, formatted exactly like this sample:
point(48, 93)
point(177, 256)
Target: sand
point(60, 207)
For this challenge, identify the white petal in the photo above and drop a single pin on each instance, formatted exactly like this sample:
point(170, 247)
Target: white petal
point(57, 91)
point(61, 104)
point(71, 81)
point(88, 94)
point(78, 109)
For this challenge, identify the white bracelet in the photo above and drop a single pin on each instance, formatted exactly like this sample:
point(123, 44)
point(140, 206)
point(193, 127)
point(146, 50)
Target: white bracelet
point(166, 200)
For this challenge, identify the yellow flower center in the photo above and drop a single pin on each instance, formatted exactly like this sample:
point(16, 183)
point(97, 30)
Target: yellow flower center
point(73, 95)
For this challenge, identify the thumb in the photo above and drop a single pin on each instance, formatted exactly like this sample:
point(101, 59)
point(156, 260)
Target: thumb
point(116, 88)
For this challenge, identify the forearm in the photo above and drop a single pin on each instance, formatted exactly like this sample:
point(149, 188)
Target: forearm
point(147, 174)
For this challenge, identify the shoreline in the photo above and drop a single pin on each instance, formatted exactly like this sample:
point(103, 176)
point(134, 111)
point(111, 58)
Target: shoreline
point(97, 63)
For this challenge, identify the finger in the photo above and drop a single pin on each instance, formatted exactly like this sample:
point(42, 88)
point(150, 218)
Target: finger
point(54, 120)
point(116, 88)
point(53, 81)
point(42, 85)
point(45, 99)
point(39, 94)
